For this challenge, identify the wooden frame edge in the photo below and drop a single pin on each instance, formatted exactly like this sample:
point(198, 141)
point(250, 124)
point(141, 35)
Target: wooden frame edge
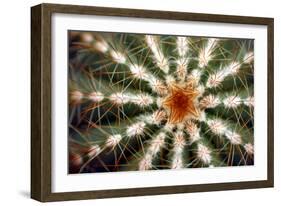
point(101, 194)
point(157, 14)
point(41, 101)
point(270, 101)
point(36, 33)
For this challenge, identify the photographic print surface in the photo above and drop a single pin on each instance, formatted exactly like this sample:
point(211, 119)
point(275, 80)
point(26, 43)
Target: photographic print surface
point(152, 102)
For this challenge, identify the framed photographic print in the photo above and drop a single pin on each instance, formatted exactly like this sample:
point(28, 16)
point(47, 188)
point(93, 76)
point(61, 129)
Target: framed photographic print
point(132, 102)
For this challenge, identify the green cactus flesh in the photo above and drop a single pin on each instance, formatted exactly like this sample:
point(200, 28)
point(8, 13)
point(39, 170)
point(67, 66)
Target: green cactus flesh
point(151, 102)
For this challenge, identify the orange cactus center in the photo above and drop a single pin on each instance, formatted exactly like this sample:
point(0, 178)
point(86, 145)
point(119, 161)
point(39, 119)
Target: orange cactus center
point(180, 103)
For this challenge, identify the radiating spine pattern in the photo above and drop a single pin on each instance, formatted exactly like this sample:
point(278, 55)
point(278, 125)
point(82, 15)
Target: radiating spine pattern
point(151, 102)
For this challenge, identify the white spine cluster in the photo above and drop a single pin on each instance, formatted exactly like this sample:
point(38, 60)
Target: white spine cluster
point(250, 101)
point(101, 46)
point(233, 137)
point(217, 126)
point(96, 96)
point(182, 46)
point(202, 116)
point(182, 62)
point(206, 53)
point(142, 100)
point(136, 129)
point(145, 163)
point(87, 37)
point(179, 143)
point(161, 61)
point(204, 154)
point(77, 159)
point(94, 151)
point(117, 57)
point(249, 148)
point(182, 68)
point(193, 131)
point(138, 71)
point(232, 101)
point(177, 162)
point(209, 101)
point(113, 140)
point(180, 126)
point(76, 96)
point(170, 79)
point(200, 90)
point(169, 127)
point(155, 145)
point(119, 98)
point(194, 76)
point(158, 116)
point(216, 79)
point(232, 68)
point(157, 85)
point(248, 58)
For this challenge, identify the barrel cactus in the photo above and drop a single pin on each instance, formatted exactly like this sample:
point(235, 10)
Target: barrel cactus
point(151, 102)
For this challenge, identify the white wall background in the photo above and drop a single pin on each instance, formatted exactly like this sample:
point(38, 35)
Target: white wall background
point(15, 102)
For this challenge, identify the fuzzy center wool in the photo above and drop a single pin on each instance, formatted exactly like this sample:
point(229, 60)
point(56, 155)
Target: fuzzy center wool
point(180, 103)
